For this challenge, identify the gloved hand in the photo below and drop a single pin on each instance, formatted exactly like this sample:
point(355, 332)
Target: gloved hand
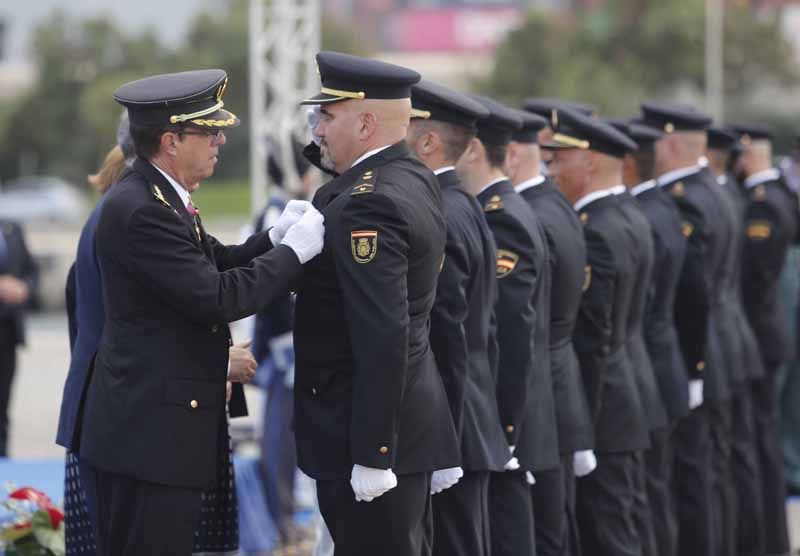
point(445, 478)
point(306, 236)
point(293, 211)
point(530, 478)
point(695, 393)
point(513, 463)
point(369, 483)
point(312, 119)
point(584, 462)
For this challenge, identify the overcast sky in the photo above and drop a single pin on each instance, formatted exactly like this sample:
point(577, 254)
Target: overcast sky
point(169, 17)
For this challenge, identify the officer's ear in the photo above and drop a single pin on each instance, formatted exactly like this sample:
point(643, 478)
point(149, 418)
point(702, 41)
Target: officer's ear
point(168, 142)
point(367, 125)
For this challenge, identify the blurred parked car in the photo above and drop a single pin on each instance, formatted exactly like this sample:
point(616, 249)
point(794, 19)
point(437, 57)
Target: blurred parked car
point(40, 199)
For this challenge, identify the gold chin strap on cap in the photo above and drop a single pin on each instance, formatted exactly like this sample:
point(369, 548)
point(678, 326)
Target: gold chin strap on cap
point(571, 141)
point(346, 94)
point(185, 117)
point(416, 113)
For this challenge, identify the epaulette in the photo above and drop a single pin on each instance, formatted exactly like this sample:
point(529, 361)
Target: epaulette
point(494, 203)
point(367, 184)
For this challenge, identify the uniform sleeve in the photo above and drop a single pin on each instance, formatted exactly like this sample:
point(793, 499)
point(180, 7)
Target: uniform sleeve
point(448, 336)
point(516, 319)
point(161, 255)
point(764, 250)
point(593, 327)
point(692, 297)
point(232, 256)
point(371, 255)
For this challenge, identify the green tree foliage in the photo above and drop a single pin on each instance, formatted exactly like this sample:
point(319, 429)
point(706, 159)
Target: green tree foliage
point(637, 49)
point(67, 122)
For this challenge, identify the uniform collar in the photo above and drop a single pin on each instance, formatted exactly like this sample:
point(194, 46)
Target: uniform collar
point(443, 169)
point(368, 154)
point(591, 198)
point(642, 187)
point(618, 189)
point(674, 175)
point(527, 184)
point(491, 183)
point(763, 176)
point(182, 193)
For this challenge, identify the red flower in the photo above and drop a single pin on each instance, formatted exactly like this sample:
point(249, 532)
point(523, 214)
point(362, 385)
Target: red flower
point(36, 496)
point(56, 517)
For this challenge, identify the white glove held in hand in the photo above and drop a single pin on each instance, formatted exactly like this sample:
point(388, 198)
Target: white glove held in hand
point(292, 213)
point(695, 393)
point(584, 462)
point(445, 478)
point(369, 483)
point(312, 119)
point(513, 463)
point(305, 237)
point(530, 478)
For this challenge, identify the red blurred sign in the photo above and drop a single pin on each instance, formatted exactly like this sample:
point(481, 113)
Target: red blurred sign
point(453, 29)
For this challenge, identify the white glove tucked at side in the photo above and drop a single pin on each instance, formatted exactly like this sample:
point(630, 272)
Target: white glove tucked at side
point(584, 462)
point(369, 483)
point(695, 393)
point(306, 236)
point(445, 478)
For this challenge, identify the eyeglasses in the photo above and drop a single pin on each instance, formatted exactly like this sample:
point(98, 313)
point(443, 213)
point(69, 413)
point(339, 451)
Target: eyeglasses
point(215, 136)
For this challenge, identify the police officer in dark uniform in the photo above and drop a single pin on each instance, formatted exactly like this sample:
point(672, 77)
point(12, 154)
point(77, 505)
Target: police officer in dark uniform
point(554, 491)
point(770, 227)
point(372, 420)
point(524, 391)
point(154, 425)
point(587, 162)
point(747, 522)
point(697, 299)
point(661, 340)
point(462, 338)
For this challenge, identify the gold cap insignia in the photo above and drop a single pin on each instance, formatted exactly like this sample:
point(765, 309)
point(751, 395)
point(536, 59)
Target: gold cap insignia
point(759, 229)
point(678, 190)
point(745, 139)
point(506, 262)
point(687, 229)
point(495, 203)
point(587, 277)
point(363, 188)
point(760, 193)
point(364, 245)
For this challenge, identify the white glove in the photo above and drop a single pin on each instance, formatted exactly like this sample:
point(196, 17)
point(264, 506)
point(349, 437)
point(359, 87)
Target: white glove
point(584, 462)
point(312, 119)
point(369, 483)
point(306, 236)
point(293, 211)
point(445, 478)
point(513, 463)
point(695, 393)
point(530, 478)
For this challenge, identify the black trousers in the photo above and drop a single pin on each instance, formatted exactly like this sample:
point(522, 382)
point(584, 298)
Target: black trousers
point(554, 510)
point(399, 523)
point(692, 484)
point(642, 509)
point(137, 518)
point(605, 502)
point(461, 517)
point(8, 366)
point(746, 477)
point(511, 514)
point(773, 481)
point(724, 494)
point(659, 461)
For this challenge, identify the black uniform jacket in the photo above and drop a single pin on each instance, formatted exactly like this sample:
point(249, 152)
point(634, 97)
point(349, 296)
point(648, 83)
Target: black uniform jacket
point(525, 389)
point(601, 332)
point(770, 227)
point(751, 354)
point(661, 338)
point(462, 338)
point(644, 374)
point(567, 262)
point(19, 264)
point(699, 297)
point(156, 397)
point(367, 390)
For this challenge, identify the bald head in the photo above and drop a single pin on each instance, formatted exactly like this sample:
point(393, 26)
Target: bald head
point(756, 157)
point(350, 128)
point(679, 150)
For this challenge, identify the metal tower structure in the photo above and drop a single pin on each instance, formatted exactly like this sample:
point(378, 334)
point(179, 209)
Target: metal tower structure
point(284, 37)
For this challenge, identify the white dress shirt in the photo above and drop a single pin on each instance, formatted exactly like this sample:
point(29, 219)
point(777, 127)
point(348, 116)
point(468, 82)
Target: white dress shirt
point(674, 175)
point(443, 169)
point(642, 187)
point(591, 198)
point(368, 154)
point(527, 184)
point(182, 193)
point(763, 176)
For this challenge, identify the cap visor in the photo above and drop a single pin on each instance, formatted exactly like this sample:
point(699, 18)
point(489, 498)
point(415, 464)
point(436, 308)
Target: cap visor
point(555, 145)
point(217, 120)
